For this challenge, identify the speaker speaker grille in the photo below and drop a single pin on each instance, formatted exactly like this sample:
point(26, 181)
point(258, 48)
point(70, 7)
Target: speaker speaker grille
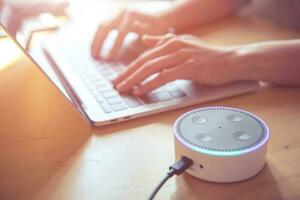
point(221, 129)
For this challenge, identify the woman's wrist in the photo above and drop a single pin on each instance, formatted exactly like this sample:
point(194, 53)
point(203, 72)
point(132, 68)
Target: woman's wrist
point(229, 61)
point(244, 64)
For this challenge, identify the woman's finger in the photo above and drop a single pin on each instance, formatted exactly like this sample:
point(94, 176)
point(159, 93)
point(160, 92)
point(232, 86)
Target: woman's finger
point(154, 66)
point(132, 22)
point(102, 33)
point(151, 40)
point(167, 48)
point(140, 27)
point(161, 79)
point(98, 40)
point(123, 30)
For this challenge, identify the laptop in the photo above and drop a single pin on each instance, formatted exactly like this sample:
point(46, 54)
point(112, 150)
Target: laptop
point(65, 59)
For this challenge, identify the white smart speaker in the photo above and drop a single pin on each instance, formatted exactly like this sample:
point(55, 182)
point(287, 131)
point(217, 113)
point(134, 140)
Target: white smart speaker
point(226, 144)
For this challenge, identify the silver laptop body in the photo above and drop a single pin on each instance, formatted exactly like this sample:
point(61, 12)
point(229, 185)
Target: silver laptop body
point(65, 59)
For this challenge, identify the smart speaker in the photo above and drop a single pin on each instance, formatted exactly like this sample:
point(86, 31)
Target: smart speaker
point(226, 144)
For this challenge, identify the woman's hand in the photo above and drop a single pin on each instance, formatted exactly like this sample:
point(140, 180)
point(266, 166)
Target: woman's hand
point(177, 57)
point(125, 22)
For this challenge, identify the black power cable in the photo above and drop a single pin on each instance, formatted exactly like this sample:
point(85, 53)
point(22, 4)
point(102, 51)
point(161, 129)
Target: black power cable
point(177, 168)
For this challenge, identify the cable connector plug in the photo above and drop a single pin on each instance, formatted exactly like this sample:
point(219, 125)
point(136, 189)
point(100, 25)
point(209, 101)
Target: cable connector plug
point(177, 168)
point(180, 166)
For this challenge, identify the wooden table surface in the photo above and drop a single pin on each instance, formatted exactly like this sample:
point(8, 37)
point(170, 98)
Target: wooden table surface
point(48, 152)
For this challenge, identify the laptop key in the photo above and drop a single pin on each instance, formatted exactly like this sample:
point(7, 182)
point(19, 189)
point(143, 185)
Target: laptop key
point(90, 73)
point(149, 98)
point(177, 93)
point(111, 77)
point(113, 100)
point(104, 88)
point(101, 83)
point(119, 71)
point(96, 78)
point(100, 99)
point(132, 101)
point(95, 92)
point(109, 93)
point(106, 72)
point(170, 86)
point(154, 97)
point(162, 96)
point(118, 106)
point(105, 107)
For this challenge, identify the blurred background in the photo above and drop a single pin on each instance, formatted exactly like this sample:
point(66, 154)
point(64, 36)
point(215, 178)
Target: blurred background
point(22, 18)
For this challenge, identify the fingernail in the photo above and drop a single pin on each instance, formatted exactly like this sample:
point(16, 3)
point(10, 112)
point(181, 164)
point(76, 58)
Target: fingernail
point(145, 37)
point(137, 91)
point(94, 55)
point(115, 85)
point(119, 86)
point(114, 82)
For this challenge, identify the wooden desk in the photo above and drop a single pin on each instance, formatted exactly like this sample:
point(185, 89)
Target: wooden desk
point(48, 152)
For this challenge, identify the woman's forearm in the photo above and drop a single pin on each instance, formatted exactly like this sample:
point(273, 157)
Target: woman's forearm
point(189, 13)
point(274, 62)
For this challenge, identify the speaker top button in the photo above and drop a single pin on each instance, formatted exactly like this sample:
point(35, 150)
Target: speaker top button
point(199, 120)
point(243, 136)
point(204, 137)
point(234, 118)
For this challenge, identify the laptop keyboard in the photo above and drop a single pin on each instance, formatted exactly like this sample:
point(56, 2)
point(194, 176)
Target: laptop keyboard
point(97, 76)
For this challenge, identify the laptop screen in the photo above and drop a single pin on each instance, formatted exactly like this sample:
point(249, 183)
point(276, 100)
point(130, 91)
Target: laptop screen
point(37, 56)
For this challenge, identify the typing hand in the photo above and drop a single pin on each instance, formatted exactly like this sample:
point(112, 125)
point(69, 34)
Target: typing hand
point(177, 57)
point(125, 22)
